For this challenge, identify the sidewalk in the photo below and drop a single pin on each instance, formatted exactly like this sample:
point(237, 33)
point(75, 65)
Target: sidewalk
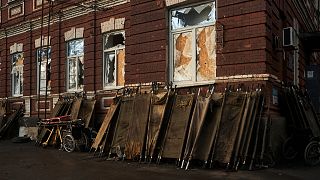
point(26, 161)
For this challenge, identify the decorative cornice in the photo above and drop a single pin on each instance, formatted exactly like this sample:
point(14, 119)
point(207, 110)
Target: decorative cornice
point(65, 14)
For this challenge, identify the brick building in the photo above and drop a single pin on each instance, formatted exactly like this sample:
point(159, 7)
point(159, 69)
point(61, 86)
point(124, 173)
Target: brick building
point(94, 46)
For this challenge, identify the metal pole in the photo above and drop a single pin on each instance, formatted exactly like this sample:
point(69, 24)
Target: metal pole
point(41, 41)
point(47, 59)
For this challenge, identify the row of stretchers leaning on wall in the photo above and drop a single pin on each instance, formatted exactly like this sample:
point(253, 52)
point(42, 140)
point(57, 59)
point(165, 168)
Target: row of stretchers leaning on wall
point(203, 128)
point(196, 128)
point(193, 128)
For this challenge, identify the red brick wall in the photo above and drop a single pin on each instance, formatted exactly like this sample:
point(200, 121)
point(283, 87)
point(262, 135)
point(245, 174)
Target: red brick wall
point(280, 14)
point(146, 42)
point(244, 50)
point(248, 30)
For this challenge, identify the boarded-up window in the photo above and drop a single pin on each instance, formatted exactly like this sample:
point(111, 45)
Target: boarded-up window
point(17, 73)
point(75, 65)
point(44, 69)
point(114, 59)
point(193, 48)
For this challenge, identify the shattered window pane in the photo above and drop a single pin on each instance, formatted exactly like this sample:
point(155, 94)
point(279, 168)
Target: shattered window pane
point(193, 16)
point(17, 73)
point(110, 68)
point(114, 59)
point(206, 53)
point(80, 72)
point(44, 69)
point(193, 43)
point(75, 64)
point(76, 47)
point(72, 73)
point(183, 57)
point(114, 40)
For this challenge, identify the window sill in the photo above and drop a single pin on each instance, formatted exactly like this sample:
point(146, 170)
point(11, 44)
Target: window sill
point(193, 84)
point(112, 87)
point(74, 91)
point(17, 95)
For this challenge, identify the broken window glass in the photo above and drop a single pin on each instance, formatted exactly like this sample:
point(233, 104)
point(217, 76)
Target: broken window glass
point(76, 47)
point(44, 69)
point(193, 16)
point(193, 43)
point(72, 73)
point(206, 53)
point(114, 40)
point(114, 59)
point(183, 50)
point(17, 73)
point(75, 64)
point(110, 68)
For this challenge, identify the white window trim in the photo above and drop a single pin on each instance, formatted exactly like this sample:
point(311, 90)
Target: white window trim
point(39, 70)
point(67, 71)
point(171, 44)
point(112, 49)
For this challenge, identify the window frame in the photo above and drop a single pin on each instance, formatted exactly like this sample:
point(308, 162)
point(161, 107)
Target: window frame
point(39, 69)
point(76, 89)
point(191, 29)
point(20, 76)
point(113, 49)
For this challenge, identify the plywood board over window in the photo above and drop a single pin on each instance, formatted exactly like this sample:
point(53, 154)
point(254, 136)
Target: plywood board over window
point(193, 43)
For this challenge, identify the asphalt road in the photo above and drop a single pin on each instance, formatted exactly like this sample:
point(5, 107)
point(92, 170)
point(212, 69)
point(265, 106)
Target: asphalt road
point(26, 161)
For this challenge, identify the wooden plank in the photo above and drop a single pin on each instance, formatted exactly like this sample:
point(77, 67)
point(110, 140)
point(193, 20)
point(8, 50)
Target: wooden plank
point(105, 125)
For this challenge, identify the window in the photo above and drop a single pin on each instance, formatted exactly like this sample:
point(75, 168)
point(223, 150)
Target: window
point(114, 59)
point(75, 65)
point(44, 69)
point(38, 3)
point(193, 43)
point(17, 74)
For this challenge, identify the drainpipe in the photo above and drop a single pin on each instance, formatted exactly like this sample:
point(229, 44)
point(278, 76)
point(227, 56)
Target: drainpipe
point(30, 59)
point(59, 52)
point(46, 94)
point(41, 42)
point(94, 43)
point(6, 34)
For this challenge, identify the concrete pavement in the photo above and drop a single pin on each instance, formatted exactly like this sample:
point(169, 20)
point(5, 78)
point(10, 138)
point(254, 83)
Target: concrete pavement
point(26, 161)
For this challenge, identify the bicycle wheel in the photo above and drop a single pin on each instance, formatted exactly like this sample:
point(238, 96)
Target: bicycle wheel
point(312, 153)
point(82, 143)
point(69, 144)
point(288, 150)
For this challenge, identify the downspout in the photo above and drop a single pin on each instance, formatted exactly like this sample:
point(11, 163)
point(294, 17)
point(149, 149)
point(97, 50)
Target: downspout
point(6, 34)
point(30, 57)
point(94, 44)
point(59, 52)
point(41, 42)
point(47, 57)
